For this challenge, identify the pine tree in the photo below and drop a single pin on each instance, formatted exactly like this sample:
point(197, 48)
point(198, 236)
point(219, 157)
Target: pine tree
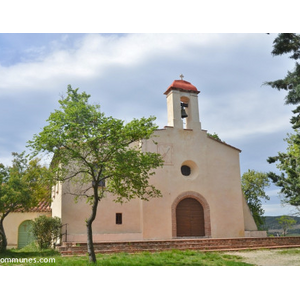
point(288, 163)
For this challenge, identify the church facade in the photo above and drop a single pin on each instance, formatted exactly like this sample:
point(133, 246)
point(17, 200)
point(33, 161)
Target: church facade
point(200, 184)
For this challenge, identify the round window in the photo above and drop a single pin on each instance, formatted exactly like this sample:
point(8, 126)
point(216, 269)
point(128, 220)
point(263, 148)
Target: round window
point(189, 169)
point(185, 170)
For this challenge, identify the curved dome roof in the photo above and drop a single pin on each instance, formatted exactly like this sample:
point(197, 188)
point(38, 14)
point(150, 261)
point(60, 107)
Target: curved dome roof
point(182, 85)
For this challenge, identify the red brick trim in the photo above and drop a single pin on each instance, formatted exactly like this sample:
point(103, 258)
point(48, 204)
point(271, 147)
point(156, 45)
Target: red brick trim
point(206, 210)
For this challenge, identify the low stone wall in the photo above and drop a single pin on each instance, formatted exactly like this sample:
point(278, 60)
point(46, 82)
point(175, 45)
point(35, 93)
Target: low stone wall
point(184, 244)
point(256, 233)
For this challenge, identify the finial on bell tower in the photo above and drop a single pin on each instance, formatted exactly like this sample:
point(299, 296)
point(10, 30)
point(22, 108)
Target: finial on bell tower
point(181, 76)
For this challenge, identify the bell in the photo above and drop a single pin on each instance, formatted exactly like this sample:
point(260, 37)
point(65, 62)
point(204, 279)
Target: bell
point(183, 113)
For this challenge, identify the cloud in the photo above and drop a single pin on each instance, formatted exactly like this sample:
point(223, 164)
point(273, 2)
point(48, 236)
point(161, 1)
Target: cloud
point(94, 55)
point(128, 73)
point(277, 210)
point(244, 113)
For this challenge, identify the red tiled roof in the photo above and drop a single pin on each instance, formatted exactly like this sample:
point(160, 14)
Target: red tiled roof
point(182, 85)
point(43, 206)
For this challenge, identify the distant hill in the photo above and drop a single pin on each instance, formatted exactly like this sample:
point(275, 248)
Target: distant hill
point(272, 226)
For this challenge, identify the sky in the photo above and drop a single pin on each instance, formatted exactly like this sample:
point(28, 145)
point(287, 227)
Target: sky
point(127, 75)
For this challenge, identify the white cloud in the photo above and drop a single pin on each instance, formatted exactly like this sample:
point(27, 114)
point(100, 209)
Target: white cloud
point(94, 54)
point(128, 74)
point(277, 210)
point(91, 57)
point(245, 112)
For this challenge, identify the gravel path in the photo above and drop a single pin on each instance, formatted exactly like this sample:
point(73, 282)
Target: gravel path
point(269, 257)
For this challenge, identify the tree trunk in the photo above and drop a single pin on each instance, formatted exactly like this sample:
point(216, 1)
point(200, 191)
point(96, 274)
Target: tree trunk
point(89, 222)
point(90, 245)
point(3, 238)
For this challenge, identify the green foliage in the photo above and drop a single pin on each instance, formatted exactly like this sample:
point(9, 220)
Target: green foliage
point(287, 43)
point(46, 230)
point(253, 186)
point(22, 186)
point(214, 136)
point(89, 148)
point(286, 222)
point(289, 165)
point(272, 223)
point(283, 44)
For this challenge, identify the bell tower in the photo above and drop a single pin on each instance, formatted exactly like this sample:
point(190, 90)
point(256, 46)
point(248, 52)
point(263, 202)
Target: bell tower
point(182, 103)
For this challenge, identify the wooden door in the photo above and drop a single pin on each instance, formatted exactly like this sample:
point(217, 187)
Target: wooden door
point(190, 218)
point(25, 235)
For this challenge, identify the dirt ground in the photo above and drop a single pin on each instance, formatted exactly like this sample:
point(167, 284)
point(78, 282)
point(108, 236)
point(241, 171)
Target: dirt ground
point(273, 257)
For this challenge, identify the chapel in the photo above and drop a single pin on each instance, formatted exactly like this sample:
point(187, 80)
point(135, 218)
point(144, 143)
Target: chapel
point(200, 184)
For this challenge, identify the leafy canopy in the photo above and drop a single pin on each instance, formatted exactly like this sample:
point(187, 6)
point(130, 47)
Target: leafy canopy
point(286, 223)
point(89, 147)
point(253, 186)
point(283, 44)
point(91, 150)
point(288, 164)
point(22, 185)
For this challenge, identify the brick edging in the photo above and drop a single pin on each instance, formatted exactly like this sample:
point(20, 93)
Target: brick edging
point(205, 244)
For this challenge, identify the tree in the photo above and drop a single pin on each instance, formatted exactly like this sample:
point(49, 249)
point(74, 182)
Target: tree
point(89, 149)
point(283, 44)
point(46, 230)
point(22, 186)
point(286, 223)
point(214, 136)
point(288, 163)
point(253, 186)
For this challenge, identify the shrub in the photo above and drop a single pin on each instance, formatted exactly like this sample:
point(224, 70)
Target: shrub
point(46, 230)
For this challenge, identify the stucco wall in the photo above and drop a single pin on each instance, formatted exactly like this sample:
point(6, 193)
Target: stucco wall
point(215, 176)
point(248, 219)
point(13, 221)
point(104, 227)
point(214, 182)
point(57, 200)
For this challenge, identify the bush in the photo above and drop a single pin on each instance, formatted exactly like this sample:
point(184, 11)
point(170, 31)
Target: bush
point(46, 230)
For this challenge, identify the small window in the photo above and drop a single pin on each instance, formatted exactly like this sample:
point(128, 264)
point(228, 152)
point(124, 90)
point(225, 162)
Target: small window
point(118, 218)
point(185, 170)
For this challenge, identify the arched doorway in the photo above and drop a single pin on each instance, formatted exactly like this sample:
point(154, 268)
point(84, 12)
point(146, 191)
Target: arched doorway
point(189, 218)
point(25, 235)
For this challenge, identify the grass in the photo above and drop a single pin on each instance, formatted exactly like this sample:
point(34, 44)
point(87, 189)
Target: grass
point(31, 256)
point(289, 251)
